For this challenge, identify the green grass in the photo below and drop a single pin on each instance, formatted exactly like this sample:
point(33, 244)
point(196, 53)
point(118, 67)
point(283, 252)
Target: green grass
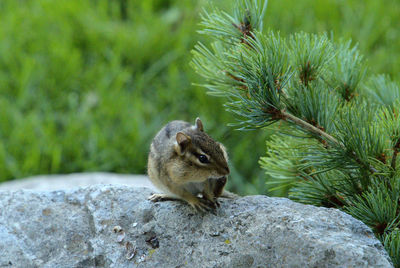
point(81, 89)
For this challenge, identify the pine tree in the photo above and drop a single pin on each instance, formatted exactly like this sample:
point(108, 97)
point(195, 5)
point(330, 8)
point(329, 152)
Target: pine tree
point(337, 127)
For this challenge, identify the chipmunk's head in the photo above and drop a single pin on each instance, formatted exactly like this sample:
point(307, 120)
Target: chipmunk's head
point(203, 157)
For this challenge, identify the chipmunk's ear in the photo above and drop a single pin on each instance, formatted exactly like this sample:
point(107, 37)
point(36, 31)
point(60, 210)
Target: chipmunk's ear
point(183, 141)
point(199, 124)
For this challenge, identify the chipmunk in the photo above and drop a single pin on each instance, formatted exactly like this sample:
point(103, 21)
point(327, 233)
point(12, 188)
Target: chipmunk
point(185, 163)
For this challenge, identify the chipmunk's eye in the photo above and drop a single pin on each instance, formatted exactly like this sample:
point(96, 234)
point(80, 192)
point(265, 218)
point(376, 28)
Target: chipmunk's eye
point(203, 159)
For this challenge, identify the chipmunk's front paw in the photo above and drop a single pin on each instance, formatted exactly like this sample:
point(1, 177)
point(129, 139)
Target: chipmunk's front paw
point(160, 197)
point(202, 205)
point(216, 203)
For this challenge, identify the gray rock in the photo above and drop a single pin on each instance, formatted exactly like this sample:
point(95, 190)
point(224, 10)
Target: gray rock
point(74, 180)
point(116, 226)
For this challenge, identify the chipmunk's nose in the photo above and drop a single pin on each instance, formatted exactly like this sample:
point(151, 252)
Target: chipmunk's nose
point(225, 170)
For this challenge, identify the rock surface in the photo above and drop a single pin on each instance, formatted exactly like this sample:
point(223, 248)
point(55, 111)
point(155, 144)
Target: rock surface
point(116, 226)
point(74, 180)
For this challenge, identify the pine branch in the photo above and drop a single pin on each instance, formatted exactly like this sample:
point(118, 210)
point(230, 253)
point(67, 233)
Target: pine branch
point(396, 149)
point(389, 116)
point(309, 127)
point(382, 90)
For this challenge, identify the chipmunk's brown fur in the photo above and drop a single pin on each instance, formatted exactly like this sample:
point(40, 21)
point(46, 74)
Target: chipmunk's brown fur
point(185, 163)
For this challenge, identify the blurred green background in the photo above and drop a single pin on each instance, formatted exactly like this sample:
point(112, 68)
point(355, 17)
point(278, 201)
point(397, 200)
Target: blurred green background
point(85, 85)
